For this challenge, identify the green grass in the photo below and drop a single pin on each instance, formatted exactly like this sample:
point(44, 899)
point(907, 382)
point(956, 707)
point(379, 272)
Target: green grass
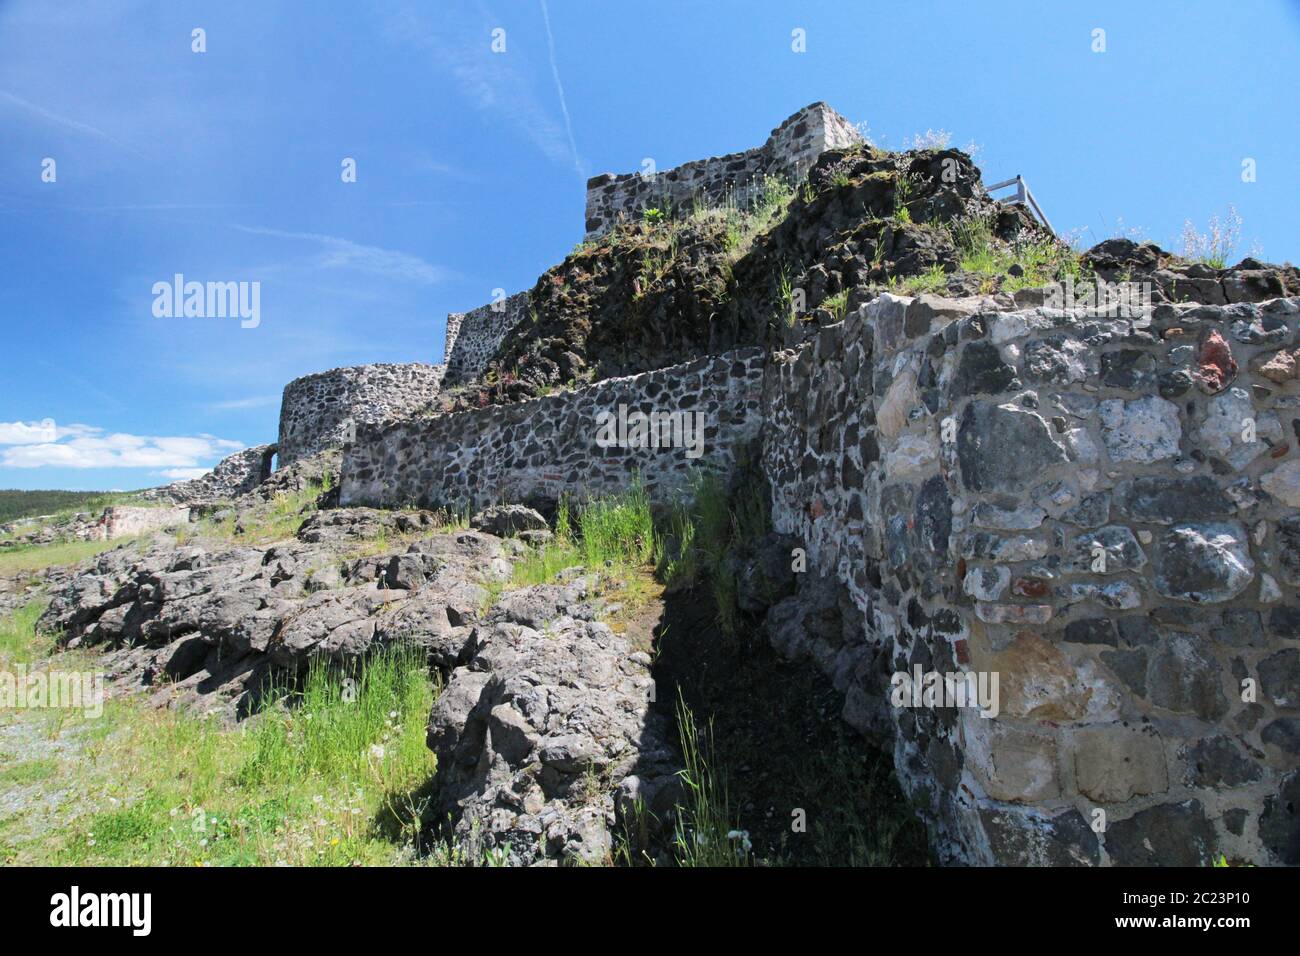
point(274, 520)
point(837, 304)
point(905, 189)
point(678, 557)
point(336, 774)
point(932, 280)
point(1216, 246)
point(707, 830)
point(332, 780)
point(614, 537)
point(744, 221)
point(705, 532)
point(37, 557)
point(619, 538)
point(19, 641)
point(615, 532)
point(785, 290)
point(335, 721)
point(618, 530)
point(28, 772)
point(1041, 260)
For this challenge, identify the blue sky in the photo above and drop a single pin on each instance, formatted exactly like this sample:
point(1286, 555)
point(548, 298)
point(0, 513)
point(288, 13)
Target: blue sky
point(471, 165)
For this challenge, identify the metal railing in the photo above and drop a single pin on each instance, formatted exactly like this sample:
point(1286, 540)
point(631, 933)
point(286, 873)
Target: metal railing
point(1023, 197)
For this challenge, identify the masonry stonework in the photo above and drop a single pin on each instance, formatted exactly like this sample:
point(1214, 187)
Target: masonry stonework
point(1100, 510)
point(473, 337)
point(127, 521)
point(233, 476)
point(534, 451)
point(319, 411)
point(790, 151)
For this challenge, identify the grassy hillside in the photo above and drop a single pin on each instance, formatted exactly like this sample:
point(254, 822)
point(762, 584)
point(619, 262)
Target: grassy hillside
point(26, 504)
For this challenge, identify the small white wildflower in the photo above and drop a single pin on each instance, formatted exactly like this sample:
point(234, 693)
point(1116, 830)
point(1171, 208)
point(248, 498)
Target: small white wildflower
point(377, 751)
point(743, 836)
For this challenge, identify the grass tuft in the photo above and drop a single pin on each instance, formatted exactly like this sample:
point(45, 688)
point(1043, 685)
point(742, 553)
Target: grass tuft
point(336, 774)
point(19, 641)
point(707, 831)
point(706, 533)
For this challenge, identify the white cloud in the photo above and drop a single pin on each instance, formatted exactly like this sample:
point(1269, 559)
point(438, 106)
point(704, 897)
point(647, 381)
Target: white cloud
point(88, 447)
point(183, 474)
point(36, 433)
point(26, 433)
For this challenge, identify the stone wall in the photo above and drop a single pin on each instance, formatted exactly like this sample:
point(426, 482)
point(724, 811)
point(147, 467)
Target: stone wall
point(234, 475)
point(116, 521)
point(473, 337)
point(532, 451)
point(127, 521)
point(789, 153)
point(1101, 511)
point(318, 411)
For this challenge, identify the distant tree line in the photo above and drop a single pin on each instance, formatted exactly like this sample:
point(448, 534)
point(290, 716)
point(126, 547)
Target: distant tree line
point(25, 504)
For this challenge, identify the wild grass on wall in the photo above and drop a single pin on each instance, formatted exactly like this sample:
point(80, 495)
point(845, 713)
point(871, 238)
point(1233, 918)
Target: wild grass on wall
point(689, 544)
point(706, 532)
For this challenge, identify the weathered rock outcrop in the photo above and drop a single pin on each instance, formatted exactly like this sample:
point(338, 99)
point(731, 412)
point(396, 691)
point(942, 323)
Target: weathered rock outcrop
point(547, 717)
point(546, 714)
point(216, 621)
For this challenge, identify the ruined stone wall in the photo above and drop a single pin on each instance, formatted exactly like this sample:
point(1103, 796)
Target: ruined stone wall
point(116, 521)
point(319, 411)
point(473, 337)
point(789, 153)
point(1102, 511)
point(234, 475)
point(127, 521)
point(532, 451)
